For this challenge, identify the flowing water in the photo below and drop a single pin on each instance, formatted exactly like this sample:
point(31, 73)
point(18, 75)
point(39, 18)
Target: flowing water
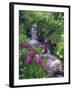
point(33, 40)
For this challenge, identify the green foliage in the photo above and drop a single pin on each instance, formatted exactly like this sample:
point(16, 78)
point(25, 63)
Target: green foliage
point(56, 27)
point(22, 29)
point(24, 52)
point(31, 70)
point(22, 38)
point(37, 50)
point(60, 48)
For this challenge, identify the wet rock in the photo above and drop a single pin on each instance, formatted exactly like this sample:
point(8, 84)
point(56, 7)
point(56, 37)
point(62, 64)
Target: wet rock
point(54, 67)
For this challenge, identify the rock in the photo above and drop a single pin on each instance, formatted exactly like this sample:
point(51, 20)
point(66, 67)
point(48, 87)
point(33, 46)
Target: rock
point(54, 66)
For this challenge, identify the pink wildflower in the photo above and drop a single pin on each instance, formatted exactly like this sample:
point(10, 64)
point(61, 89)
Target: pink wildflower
point(28, 59)
point(26, 45)
point(31, 53)
point(38, 59)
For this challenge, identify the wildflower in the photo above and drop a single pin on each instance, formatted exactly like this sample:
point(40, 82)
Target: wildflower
point(26, 45)
point(38, 59)
point(28, 60)
point(31, 53)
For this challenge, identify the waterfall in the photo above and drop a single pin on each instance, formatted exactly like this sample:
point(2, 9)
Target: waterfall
point(33, 40)
point(33, 31)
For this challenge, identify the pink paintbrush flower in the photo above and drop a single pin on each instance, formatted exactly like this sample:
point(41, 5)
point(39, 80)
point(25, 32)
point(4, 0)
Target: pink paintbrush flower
point(28, 59)
point(38, 59)
point(31, 53)
point(26, 45)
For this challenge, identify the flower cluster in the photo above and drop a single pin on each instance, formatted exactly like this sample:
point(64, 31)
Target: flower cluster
point(30, 56)
point(26, 45)
point(32, 53)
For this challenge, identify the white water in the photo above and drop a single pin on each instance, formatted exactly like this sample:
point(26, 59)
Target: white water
point(33, 40)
